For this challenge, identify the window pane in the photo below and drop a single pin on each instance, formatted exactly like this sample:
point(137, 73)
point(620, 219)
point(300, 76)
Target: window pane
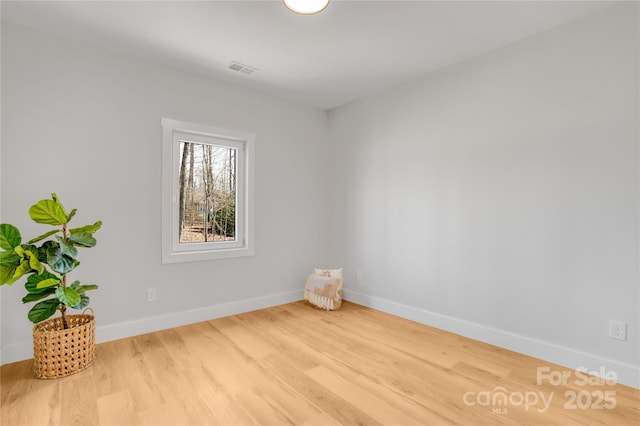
point(207, 190)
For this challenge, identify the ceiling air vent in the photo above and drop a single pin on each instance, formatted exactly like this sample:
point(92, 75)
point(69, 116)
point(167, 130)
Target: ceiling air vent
point(242, 68)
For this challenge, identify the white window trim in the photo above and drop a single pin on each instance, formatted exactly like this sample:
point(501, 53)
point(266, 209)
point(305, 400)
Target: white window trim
point(172, 252)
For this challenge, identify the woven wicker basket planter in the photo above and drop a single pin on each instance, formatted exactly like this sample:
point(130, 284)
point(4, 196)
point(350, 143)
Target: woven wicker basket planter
point(58, 352)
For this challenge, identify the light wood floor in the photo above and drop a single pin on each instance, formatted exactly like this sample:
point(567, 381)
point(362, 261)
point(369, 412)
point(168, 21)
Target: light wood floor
point(293, 364)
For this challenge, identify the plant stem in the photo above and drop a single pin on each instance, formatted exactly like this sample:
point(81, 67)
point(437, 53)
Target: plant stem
point(63, 284)
point(63, 310)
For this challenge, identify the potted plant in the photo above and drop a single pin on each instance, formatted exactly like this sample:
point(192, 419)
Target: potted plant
point(66, 344)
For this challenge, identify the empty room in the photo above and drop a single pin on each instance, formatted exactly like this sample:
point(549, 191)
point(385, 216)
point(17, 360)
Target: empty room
point(320, 212)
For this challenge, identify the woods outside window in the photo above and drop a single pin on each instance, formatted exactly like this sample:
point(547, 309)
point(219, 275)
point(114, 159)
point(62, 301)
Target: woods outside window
point(207, 188)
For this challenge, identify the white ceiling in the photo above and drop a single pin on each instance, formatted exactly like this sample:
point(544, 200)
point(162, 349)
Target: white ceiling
point(352, 49)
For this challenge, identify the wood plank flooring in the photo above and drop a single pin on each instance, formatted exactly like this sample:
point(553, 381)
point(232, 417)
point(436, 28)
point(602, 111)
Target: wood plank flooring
point(296, 365)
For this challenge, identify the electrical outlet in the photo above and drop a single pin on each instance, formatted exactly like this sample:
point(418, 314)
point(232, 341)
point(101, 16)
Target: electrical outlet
point(618, 330)
point(152, 295)
point(359, 275)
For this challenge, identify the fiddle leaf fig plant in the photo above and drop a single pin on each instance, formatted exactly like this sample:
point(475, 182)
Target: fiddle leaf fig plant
point(46, 266)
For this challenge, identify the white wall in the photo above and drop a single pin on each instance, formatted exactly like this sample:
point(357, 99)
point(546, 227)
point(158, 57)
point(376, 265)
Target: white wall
point(499, 198)
point(86, 124)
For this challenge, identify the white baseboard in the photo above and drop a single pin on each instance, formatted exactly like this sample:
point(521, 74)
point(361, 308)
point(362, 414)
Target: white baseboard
point(24, 350)
point(627, 374)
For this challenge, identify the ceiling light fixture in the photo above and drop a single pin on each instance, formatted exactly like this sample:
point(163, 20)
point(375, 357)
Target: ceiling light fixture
point(306, 7)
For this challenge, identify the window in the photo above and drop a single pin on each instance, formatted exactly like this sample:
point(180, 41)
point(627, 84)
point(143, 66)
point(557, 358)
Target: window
point(207, 192)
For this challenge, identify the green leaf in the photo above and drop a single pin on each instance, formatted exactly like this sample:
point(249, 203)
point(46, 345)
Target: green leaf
point(9, 237)
point(22, 269)
point(48, 212)
point(48, 283)
point(71, 215)
point(6, 275)
point(81, 289)
point(67, 249)
point(84, 302)
point(64, 265)
point(43, 251)
point(38, 283)
point(9, 257)
point(68, 296)
point(19, 250)
point(89, 229)
point(82, 239)
point(34, 263)
point(9, 261)
point(54, 252)
point(55, 198)
point(59, 262)
point(31, 297)
point(43, 310)
point(43, 236)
